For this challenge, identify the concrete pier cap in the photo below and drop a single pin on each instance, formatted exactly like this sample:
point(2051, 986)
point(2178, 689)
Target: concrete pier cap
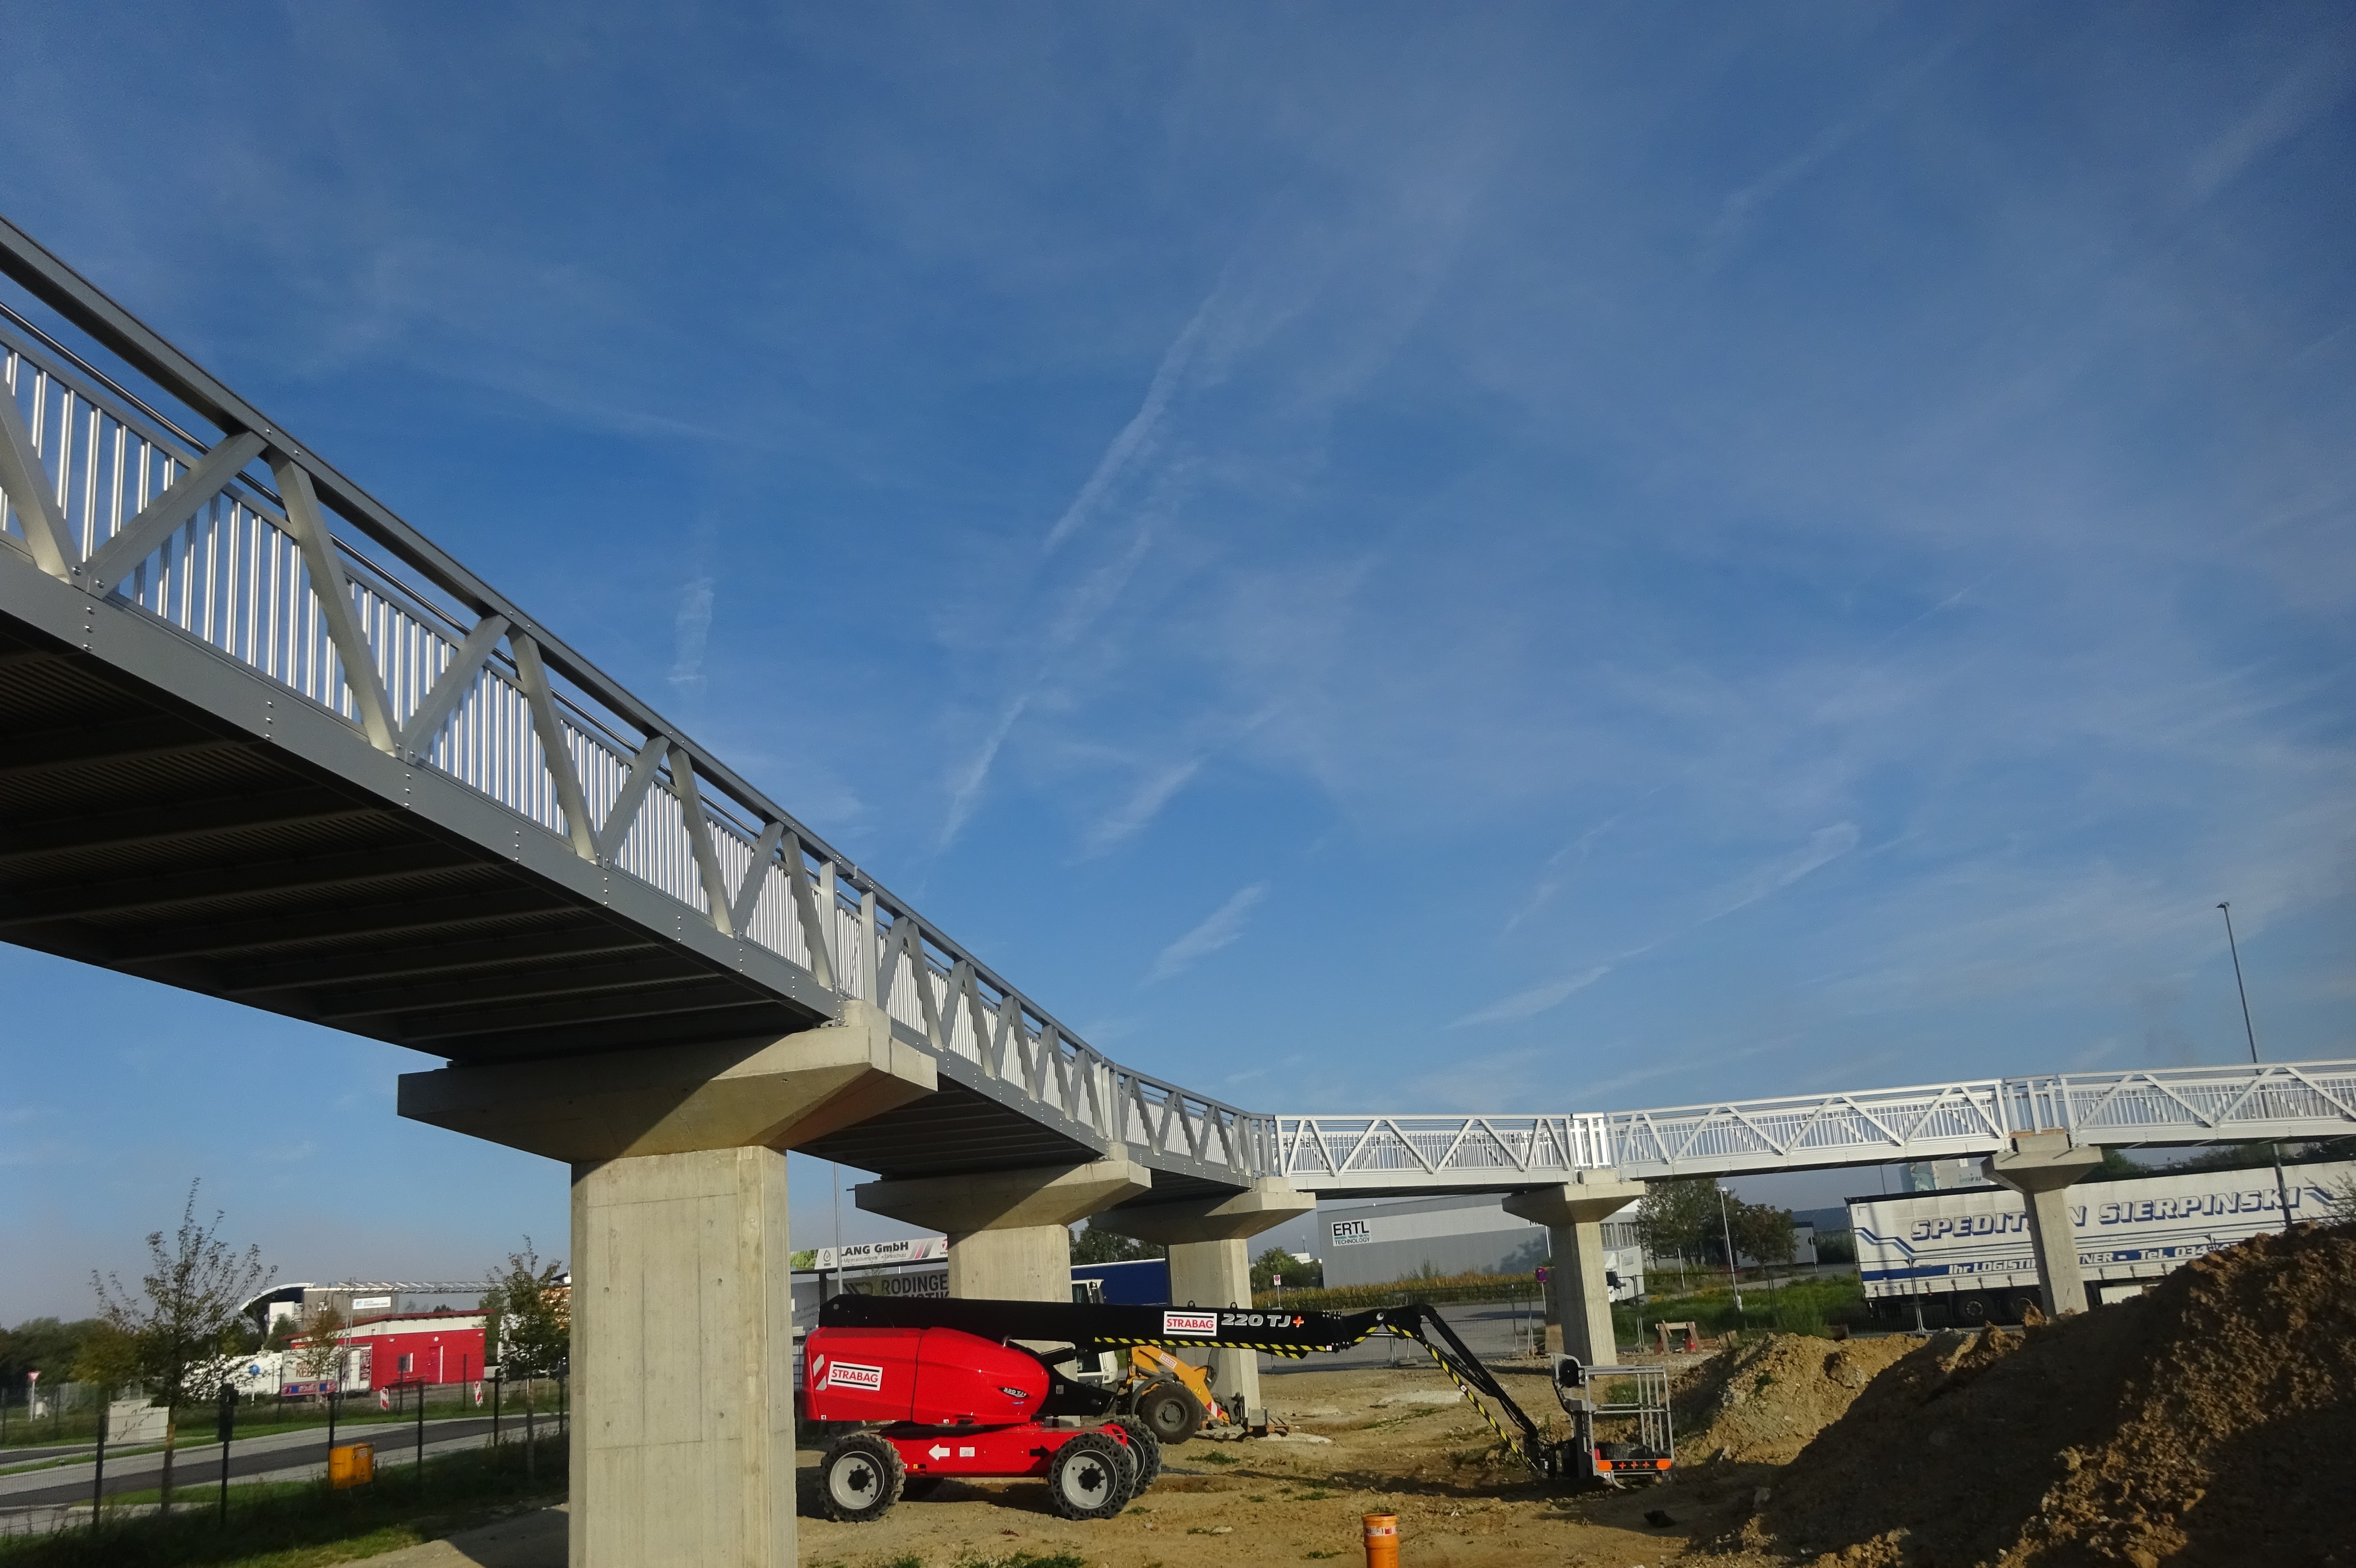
point(2041, 1166)
point(772, 1093)
point(1211, 1267)
point(1264, 1205)
point(1578, 1295)
point(1009, 1230)
point(682, 1348)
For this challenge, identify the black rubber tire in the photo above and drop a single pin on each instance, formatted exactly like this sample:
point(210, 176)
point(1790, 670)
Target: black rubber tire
point(1148, 1449)
point(1973, 1310)
point(918, 1486)
point(1090, 1477)
point(859, 1478)
point(1169, 1412)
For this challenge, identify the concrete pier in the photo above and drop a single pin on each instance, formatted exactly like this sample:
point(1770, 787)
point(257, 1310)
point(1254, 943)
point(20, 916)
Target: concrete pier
point(1210, 1265)
point(681, 1300)
point(1009, 1231)
point(1578, 1297)
point(2041, 1167)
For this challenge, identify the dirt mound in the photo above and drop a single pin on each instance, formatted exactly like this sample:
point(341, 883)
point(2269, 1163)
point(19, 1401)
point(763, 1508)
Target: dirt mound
point(2209, 1422)
point(1763, 1401)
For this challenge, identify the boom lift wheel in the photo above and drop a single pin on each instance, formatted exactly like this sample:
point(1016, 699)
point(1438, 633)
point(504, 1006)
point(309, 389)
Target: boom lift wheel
point(859, 1478)
point(1090, 1477)
point(1146, 1447)
point(1169, 1412)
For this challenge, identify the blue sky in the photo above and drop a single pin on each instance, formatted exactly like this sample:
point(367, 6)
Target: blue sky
point(1371, 558)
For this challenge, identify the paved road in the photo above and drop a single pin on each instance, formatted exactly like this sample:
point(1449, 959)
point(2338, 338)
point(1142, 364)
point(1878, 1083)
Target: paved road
point(199, 1463)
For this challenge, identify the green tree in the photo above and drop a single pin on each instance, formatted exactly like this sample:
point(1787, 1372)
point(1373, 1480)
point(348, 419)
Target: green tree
point(1096, 1244)
point(1764, 1232)
point(1677, 1216)
point(2117, 1167)
point(1298, 1276)
point(528, 1327)
point(174, 1333)
point(42, 1344)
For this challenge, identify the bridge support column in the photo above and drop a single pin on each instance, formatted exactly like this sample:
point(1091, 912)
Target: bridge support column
point(1578, 1297)
point(1211, 1267)
point(683, 1344)
point(2041, 1167)
point(1009, 1231)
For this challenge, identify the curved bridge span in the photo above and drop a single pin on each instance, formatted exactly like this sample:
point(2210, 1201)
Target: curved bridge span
point(262, 739)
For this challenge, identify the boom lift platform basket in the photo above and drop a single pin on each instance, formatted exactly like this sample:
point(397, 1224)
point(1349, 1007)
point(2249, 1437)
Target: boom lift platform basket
point(957, 1387)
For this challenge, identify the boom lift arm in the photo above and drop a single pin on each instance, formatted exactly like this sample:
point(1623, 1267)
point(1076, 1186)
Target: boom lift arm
point(1089, 1327)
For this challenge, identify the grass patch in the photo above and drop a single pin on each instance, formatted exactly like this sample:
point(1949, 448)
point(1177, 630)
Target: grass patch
point(1019, 1560)
point(305, 1524)
point(1216, 1457)
point(1802, 1306)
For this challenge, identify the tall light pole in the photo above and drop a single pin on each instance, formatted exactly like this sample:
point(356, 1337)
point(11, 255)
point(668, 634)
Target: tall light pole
point(1732, 1278)
point(2282, 1188)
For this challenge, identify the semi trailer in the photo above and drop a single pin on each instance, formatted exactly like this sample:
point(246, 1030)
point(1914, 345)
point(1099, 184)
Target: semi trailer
point(949, 1387)
point(1968, 1248)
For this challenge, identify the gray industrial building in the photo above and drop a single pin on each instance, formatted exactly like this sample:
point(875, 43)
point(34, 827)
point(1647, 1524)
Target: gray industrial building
point(1375, 1243)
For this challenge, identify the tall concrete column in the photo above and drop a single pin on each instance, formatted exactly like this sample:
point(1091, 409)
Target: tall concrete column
point(2041, 1167)
point(1211, 1267)
point(682, 1338)
point(1009, 1231)
point(1578, 1297)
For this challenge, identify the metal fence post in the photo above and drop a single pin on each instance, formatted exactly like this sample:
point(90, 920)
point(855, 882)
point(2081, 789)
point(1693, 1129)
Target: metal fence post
point(228, 1430)
point(98, 1478)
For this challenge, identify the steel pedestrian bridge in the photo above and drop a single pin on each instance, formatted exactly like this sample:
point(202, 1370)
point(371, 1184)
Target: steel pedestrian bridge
point(1388, 1156)
point(260, 738)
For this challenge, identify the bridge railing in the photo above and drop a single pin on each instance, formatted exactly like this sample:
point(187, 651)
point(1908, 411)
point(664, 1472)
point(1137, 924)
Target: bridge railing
point(2157, 1105)
point(247, 542)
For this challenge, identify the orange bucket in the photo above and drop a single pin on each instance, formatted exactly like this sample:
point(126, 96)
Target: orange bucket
point(1382, 1541)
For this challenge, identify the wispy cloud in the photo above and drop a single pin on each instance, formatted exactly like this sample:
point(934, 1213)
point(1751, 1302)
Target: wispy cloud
point(1736, 213)
point(1824, 846)
point(1536, 1000)
point(1136, 438)
point(1084, 606)
point(1152, 793)
point(2314, 85)
point(965, 789)
point(691, 634)
point(1558, 867)
point(1222, 925)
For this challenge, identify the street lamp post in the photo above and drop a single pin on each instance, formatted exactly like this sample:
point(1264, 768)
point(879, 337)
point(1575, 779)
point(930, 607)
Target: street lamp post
point(2282, 1186)
point(1732, 1278)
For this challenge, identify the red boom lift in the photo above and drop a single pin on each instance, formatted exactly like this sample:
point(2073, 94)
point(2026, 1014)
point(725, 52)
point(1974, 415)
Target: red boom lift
point(954, 1388)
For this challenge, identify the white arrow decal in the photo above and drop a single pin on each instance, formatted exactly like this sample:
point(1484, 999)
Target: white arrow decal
point(938, 1451)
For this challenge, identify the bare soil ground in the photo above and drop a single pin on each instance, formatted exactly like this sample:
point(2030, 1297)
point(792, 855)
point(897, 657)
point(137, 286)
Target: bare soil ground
point(2207, 1424)
point(1430, 1459)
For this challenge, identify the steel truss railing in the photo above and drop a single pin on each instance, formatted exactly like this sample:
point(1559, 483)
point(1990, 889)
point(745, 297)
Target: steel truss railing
point(305, 578)
point(1337, 1155)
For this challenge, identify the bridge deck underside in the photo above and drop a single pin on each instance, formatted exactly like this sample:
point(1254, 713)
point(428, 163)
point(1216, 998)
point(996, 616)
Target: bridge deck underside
point(136, 836)
point(141, 834)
